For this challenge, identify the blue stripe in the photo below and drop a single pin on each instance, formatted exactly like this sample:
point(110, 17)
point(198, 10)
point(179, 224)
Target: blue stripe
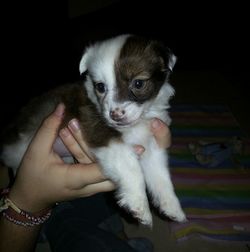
point(188, 163)
point(197, 132)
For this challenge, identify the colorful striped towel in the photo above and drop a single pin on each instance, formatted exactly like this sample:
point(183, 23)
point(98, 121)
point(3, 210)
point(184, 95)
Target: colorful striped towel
point(215, 199)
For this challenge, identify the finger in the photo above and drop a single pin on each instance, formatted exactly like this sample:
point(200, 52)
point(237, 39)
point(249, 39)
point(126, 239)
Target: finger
point(161, 133)
point(89, 190)
point(73, 146)
point(79, 175)
point(75, 129)
point(47, 133)
point(139, 149)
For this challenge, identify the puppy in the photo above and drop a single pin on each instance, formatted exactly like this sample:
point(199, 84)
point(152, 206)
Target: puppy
point(125, 86)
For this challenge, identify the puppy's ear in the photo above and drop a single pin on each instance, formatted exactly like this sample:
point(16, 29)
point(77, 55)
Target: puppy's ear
point(83, 62)
point(171, 61)
point(168, 57)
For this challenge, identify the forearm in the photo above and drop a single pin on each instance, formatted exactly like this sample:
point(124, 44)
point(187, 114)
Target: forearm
point(15, 238)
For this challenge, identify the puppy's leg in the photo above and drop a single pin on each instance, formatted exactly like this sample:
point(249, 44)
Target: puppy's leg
point(12, 154)
point(154, 163)
point(120, 164)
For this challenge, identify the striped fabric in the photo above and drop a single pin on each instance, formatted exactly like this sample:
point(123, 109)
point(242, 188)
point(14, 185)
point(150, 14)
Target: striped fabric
point(216, 200)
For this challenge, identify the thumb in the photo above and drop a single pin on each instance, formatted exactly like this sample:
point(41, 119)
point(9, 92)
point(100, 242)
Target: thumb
point(80, 175)
point(48, 131)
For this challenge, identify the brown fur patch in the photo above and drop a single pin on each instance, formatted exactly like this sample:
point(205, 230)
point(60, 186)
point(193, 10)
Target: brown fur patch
point(94, 127)
point(144, 60)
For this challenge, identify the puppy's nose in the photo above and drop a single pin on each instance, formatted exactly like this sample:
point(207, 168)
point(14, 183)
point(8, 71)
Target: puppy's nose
point(117, 114)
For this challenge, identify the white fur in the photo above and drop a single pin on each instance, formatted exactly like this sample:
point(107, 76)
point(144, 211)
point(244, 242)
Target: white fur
point(18, 148)
point(119, 162)
point(121, 165)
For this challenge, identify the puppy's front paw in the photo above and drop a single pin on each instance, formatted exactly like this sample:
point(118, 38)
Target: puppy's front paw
point(138, 207)
point(143, 216)
point(172, 209)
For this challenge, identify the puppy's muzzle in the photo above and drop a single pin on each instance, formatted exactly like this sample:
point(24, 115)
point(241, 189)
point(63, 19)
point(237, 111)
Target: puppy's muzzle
point(117, 114)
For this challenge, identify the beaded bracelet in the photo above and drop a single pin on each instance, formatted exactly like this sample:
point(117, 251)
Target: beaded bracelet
point(20, 217)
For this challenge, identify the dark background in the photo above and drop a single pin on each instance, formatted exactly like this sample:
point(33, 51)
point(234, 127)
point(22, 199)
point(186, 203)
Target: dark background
point(43, 42)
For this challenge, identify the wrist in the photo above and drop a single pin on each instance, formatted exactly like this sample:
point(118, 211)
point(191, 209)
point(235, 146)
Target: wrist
point(18, 216)
point(27, 201)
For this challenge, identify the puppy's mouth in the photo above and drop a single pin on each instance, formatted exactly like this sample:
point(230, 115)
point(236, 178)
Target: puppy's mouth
point(123, 124)
point(126, 124)
point(125, 120)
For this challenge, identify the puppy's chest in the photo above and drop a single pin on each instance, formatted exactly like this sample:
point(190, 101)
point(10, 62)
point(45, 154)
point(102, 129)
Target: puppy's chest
point(139, 134)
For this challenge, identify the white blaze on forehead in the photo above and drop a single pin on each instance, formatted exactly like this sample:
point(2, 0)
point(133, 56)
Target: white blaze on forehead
point(99, 60)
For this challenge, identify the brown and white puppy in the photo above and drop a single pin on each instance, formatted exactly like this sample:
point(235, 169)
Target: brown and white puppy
point(126, 85)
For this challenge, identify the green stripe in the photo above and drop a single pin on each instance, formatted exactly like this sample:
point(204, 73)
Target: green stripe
point(182, 155)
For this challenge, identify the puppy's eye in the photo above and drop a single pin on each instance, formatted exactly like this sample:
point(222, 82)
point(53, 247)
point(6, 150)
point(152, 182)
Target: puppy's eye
point(100, 87)
point(138, 84)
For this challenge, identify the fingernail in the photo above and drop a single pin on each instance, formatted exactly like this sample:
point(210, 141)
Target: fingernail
point(64, 132)
point(60, 110)
point(139, 150)
point(74, 125)
point(156, 124)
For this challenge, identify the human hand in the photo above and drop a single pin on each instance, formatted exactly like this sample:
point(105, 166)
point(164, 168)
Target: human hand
point(161, 133)
point(73, 139)
point(44, 179)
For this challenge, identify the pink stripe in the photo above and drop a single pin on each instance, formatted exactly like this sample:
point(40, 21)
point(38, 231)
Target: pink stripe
point(210, 176)
point(216, 225)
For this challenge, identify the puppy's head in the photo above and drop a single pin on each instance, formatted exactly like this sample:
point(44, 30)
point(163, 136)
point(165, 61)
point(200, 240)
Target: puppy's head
point(125, 75)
